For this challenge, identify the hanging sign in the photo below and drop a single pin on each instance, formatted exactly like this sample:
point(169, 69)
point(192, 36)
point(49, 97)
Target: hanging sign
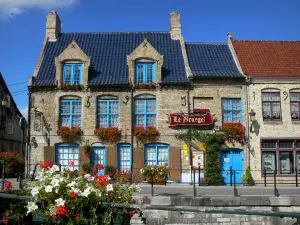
point(190, 120)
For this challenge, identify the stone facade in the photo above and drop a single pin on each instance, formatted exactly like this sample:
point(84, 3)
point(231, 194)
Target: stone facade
point(283, 129)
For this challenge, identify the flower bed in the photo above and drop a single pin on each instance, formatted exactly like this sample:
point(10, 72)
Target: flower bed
point(157, 174)
point(150, 85)
point(235, 132)
point(67, 198)
point(108, 135)
point(69, 134)
point(145, 134)
point(14, 163)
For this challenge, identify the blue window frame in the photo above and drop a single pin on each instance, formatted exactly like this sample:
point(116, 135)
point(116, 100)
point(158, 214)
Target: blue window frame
point(145, 112)
point(70, 112)
point(72, 74)
point(157, 154)
point(145, 72)
point(65, 153)
point(231, 110)
point(99, 157)
point(107, 113)
point(124, 157)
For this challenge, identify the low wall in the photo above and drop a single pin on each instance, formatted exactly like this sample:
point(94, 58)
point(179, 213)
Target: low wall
point(203, 204)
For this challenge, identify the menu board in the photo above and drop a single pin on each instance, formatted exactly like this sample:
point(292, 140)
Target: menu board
point(268, 160)
point(285, 162)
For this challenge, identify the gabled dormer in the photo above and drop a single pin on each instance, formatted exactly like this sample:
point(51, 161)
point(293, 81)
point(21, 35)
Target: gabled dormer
point(145, 64)
point(72, 65)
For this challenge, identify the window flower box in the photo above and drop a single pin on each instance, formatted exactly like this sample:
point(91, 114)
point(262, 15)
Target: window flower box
point(145, 134)
point(234, 132)
point(150, 85)
point(73, 87)
point(68, 134)
point(13, 162)
point(108, 135)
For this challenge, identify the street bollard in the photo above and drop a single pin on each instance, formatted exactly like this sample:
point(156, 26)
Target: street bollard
point(59, 166)
point(152, 188)
point(235, 193)
point(296, 176)
point(199, 171)
point(195, 191)
point(275, 187)
point(265, 176)
point(230, 174)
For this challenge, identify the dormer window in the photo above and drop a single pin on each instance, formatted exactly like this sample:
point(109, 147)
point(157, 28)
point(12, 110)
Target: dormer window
point(72, 74)
point(145, 72)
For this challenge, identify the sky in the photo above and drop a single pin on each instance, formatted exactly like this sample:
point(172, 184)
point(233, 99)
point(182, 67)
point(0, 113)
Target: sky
point(22, 25)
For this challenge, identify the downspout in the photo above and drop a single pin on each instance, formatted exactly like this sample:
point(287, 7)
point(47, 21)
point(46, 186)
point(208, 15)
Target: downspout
point(247, 118)
point(28, 133)
point(132, 127)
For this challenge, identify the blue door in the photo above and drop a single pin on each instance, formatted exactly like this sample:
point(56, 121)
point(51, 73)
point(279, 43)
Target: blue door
point(232, 157)
point(99, 157)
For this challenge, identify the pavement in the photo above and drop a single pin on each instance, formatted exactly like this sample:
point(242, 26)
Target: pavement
point(177, 189)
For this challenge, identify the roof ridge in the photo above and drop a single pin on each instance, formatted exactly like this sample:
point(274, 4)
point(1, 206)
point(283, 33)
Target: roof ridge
point(207, 43)
point(266, 41)
point(122, 32)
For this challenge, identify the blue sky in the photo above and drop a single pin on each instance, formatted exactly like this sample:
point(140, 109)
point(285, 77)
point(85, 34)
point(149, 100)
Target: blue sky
point(22, 25)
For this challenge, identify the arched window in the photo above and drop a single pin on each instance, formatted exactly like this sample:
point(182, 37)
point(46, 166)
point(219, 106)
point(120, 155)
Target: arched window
point(145, 112)
point(107, 112)
point(70, 111)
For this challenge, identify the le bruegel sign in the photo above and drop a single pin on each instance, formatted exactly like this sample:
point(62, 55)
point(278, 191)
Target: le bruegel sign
point(190, 120)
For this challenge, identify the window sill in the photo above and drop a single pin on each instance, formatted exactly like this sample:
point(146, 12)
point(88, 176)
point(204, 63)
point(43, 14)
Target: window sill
point(273, 122)
point(295, 121)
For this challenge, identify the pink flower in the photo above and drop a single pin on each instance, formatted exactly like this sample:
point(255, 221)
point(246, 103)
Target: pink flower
point(71, 163)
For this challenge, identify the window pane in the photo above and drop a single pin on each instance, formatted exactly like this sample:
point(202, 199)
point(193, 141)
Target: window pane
point(295, 96)
point(226, 104)
point(139, 106)
point(150, 106)
point(236, 117)
point(76, 107)
point(67, 154)
point(298, 162)
point(295, 110)
point(276, 110)
point(149, 73)
point(125, 158)
point(65, 107)
point(102, 121)
point(266, 107)
point(271, 96)
point(114, 107)
point(226, 117)
point(236, 104)
point(163, 154)
point(102, 107)
point(151, 120)
point(98, 155)
point(139, 120)
point(65, 120)
point(150, 153)
point(269, 161)
point(113, 121)
point(77, 74)
point(286, 144)
point(68, 73)
point(140, 73)
point(286, 162)
point(269, 144)
point(298, 144)
point(76, 121)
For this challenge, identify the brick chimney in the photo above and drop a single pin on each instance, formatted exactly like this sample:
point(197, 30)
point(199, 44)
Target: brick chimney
point(53, 26)
point(175, 24)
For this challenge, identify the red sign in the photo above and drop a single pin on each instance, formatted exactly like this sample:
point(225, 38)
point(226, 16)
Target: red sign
point(191, 120)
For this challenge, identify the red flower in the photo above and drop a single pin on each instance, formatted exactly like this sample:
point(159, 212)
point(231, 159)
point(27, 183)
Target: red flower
point(102, 181)
point(54, 216)
point(7, 185)
point(77, 218)
point(73, 194)
point(46, 164)
point(4, 219)
point(71, 163)
point(132, 212)
point(100, 167)
point(62, 210)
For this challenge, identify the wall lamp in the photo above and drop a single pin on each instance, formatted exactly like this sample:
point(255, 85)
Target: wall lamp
point(252, 119)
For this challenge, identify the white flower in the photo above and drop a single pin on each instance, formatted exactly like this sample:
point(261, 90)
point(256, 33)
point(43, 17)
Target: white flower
point(109, 187)
point(35, 191)
point(108, 177)
point(52, 210)
point(138, 188)
point(48, 188)
point(55, 168)
point(98, 192)
point(60, 202)
point(142, 170)
point(76, 190)
point(71, 184)
point(88, 177)
point(31, 206)
point(55, 182)
point(56, 190)
point(86, 192)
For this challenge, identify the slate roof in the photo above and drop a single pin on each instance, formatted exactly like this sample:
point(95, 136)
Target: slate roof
point(211, 60)
point(268, 58)
point(108, 53)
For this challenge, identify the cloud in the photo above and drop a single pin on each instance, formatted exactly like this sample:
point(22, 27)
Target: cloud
point(24, 112)
point(12, 8)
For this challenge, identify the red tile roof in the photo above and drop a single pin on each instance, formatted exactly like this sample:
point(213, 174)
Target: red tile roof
point(268, 58)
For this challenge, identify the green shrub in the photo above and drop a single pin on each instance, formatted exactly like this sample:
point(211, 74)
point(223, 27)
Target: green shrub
point(247, 178)
point(86, 167)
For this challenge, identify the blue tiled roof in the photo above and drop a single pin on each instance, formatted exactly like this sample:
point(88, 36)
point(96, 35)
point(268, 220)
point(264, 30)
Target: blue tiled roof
point(108, 53)
point(211, 60)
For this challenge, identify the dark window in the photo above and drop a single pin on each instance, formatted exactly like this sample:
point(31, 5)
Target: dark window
point(298, 144)
point(269, 144)
point(269, 161)
point(286, 161)
point(286, 144)
point(295, 105)
point(271, 106)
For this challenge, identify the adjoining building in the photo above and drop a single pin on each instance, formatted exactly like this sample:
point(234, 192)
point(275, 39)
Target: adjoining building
point(273, 82)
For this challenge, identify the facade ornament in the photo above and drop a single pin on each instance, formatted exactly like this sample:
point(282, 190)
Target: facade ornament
point(286, 95)
point(87, 101)
point(126, 99)
point(183, 98)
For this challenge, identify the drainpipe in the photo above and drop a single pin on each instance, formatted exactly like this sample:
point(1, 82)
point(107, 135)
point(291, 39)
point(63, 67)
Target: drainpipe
point(190, 141)
point(132, 125)
point(247, 118)
point(28, 133)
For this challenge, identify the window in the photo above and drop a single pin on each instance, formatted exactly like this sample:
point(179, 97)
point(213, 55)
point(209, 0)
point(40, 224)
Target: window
point(145, 112)
point(231, 110)
point(156, 154)
point(282, 153)
point(70, 112)
point(72, 74)
point(99, 157)
point(68, 156)
point(271, 106)
point(295, 105)
point(124, 157)
point(145, 72)
point(108, 113)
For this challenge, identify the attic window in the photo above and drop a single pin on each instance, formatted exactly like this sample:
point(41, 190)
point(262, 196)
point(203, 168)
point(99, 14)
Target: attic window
point(72, 73)
point(145, 72)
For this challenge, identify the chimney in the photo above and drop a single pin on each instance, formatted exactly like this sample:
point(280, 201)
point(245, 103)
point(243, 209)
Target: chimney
point(175, 24)
point(53, 26)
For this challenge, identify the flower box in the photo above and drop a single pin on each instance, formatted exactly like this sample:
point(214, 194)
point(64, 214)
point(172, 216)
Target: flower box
point(14, 163)
point(68, 134)
point(150, 85)
point(145, 134)
point(72, 87)
point(157, 174)
point(234, 132)
point(108, 135)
